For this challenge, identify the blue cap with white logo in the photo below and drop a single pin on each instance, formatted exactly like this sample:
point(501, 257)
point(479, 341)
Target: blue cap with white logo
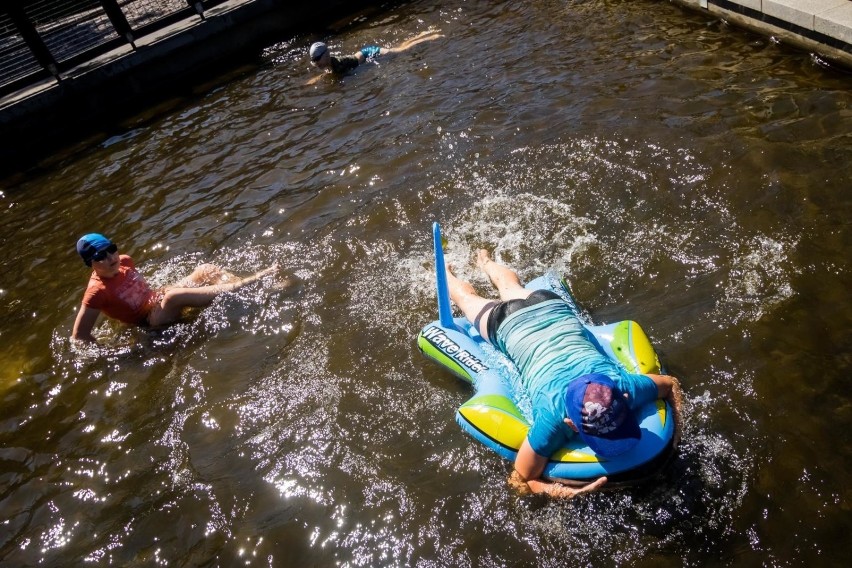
point(601, 414)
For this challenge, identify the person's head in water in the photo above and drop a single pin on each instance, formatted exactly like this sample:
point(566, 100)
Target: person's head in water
point(320, 55)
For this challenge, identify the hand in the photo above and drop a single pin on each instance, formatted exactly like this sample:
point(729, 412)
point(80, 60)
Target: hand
point(668, 388)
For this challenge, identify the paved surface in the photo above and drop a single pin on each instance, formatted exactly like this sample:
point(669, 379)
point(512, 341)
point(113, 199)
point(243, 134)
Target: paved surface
point(821, 26)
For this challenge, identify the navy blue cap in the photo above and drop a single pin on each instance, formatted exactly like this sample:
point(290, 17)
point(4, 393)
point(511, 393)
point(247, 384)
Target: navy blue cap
point(601, 414)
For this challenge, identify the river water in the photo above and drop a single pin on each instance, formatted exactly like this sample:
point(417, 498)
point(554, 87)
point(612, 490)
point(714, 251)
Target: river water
point(679, 172)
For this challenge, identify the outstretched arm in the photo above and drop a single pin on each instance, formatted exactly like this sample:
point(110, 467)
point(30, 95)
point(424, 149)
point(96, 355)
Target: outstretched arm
point(668, 388)
point(314, 79)
point(527, 476)
point(85, 323)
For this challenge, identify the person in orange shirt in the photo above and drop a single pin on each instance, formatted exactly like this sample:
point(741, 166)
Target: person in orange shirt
point(119, 291)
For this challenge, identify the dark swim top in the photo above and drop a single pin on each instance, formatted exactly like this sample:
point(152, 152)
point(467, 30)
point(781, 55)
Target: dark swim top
point(343, 64)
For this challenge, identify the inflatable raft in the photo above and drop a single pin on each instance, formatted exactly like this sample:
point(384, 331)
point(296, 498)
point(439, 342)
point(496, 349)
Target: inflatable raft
point(493, 416)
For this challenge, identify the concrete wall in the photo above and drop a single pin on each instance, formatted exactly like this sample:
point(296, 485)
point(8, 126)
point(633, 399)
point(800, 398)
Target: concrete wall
point(43, 119)
point(819, 26)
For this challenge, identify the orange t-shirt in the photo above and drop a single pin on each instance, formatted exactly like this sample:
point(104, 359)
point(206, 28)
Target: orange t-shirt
point(125, 297)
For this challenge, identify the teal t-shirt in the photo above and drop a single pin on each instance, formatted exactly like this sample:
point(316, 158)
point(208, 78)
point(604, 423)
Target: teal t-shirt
point(551, 348)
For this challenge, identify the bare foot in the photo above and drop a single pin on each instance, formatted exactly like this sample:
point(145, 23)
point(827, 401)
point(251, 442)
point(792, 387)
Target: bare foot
point(419, 38)
point(271, 270)
point(483, 257)
point(453, 281)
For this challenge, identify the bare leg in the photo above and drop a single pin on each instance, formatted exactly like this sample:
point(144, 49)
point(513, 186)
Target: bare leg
point(504, 279)
point(205, 275)
point(466, 298)
point(175, 299)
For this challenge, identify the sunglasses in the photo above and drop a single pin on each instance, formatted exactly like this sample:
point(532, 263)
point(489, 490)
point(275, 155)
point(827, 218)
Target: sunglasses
point(102, 254)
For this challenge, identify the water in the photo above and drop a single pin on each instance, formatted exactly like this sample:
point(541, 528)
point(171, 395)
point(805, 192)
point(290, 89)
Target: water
point(680, 172)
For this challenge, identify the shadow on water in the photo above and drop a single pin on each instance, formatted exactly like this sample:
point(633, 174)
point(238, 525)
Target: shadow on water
point(677, 173)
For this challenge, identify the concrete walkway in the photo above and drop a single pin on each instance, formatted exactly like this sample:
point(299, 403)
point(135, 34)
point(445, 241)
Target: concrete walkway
point(820, 26)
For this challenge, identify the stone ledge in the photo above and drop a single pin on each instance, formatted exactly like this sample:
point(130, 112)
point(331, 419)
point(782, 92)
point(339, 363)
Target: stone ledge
point(799, 12)
point(821, 26)
point(836, 22)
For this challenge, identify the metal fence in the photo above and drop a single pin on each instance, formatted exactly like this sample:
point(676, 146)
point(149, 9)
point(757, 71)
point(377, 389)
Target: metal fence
point(42, 38)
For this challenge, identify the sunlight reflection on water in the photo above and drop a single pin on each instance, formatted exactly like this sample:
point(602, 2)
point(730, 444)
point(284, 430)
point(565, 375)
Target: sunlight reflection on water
point(675, 171)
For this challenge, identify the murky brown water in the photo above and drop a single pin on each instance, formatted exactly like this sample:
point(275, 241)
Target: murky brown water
point(680, 172)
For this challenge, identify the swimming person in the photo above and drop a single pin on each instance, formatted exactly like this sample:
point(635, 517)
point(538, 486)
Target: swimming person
point(322, 58)
point(574, 389)
point(118, 290)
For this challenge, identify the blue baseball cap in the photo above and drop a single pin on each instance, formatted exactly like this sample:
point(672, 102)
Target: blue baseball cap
point(318, 50)
point(90, 244)
point(600, 412)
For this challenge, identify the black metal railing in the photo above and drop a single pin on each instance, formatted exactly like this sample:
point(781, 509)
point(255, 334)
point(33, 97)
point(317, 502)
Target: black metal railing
point(41, 39)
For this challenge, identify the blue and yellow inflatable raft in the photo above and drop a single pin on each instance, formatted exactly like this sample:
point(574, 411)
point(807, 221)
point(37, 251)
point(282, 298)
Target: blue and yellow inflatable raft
point(493, 416)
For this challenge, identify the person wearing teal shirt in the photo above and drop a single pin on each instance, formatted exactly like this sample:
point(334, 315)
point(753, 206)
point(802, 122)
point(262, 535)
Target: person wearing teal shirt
point(574, 389)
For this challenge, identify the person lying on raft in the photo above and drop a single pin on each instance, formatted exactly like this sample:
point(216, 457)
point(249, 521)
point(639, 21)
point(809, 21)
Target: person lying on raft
point(118, 290)
point(321, 57)
point(574, 389)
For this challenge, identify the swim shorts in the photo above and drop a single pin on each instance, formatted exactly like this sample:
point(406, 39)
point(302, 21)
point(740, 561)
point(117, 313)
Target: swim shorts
point(504, 309)
point(370, 51)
